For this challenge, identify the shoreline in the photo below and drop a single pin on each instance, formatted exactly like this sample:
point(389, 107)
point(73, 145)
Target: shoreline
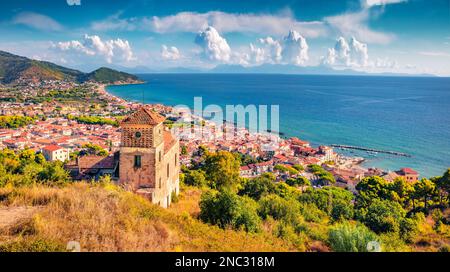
point(354, 161)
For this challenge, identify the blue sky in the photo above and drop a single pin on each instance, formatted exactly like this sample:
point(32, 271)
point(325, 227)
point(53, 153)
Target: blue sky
point(407, 36)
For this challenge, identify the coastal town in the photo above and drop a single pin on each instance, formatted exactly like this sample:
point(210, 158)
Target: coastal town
point(64, 124)
point(264, 130)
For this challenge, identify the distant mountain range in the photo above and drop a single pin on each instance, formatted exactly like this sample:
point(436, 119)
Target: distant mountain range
point(271, 69)
point(15, 68)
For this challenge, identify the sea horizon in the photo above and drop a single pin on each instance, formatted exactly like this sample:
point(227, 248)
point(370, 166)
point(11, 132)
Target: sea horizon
point(330, 109)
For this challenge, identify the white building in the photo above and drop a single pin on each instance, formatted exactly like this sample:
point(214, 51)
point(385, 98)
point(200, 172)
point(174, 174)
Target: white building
point(55, 153)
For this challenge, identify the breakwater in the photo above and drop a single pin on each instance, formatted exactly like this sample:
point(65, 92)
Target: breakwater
point(371, 150)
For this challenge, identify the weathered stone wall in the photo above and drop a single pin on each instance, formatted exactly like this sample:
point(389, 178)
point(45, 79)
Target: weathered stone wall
point(134, 178)
point(158, 134)
point(158, 175)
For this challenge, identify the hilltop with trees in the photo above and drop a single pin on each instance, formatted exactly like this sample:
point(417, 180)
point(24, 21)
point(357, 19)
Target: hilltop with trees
point(15, 68)
point(219, 211)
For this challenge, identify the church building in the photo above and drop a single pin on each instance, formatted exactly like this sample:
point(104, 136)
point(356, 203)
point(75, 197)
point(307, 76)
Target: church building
point(149, 157)
point(147, 162)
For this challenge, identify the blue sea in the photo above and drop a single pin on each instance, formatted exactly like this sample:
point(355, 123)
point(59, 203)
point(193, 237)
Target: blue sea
point(404, 114)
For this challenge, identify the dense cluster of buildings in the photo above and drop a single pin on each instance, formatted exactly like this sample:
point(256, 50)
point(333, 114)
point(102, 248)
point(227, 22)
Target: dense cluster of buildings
point(143, 137)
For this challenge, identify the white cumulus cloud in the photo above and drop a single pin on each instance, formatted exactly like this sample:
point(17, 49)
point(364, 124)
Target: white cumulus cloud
point(214, 47)
point(109, 50)
point(295, 48)
point(370, 3)
point(291, 49)
point(272, 50)
point(170, 53)
point(353, 54)
point(37, 21)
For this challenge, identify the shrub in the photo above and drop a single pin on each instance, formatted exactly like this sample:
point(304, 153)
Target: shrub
point(228, 209)
point(35, 245)
point(311, 213)
point(278, 208)
point(174, 197)
point(287, 232)
point(408, 229)
point(393, 243)
point(350, 238)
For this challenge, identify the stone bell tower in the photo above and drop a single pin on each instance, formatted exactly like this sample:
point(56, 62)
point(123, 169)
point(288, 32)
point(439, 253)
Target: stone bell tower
point(149, 157)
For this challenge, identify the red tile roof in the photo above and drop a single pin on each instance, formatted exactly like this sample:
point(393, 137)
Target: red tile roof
point(409, 171)
point(144, 116)
point(297, 141)
point(52, 148)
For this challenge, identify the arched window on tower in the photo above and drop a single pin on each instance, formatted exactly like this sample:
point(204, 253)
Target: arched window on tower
point(168, 170)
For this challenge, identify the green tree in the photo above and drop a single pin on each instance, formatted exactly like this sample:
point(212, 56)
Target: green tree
point(27, 155)
point(285, 169)
point(93, 149)
point(443, 186)
point(39, 158)
point(258, 187)
point(323, 175)
point(402, 192)
point(425, 190)
point(53, 173)
point(370, 189)
point(298, 181)
point(341, 210)
point(325, 198)
point(195, 178)
point(222, 170)
point(384, 216)
point(15, 121)
point(226, 209)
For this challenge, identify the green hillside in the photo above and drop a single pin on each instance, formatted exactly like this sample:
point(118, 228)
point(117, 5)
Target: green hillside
point(14, 68)
point(106, 75)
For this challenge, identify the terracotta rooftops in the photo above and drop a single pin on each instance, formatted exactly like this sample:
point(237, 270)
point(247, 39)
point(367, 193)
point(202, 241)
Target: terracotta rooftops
point(92, 161)
point(144, 116)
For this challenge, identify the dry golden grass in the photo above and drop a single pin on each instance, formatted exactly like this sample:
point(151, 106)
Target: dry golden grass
point(103, 217)
point(188, 202)
point(430, 239)
point(106, 218)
